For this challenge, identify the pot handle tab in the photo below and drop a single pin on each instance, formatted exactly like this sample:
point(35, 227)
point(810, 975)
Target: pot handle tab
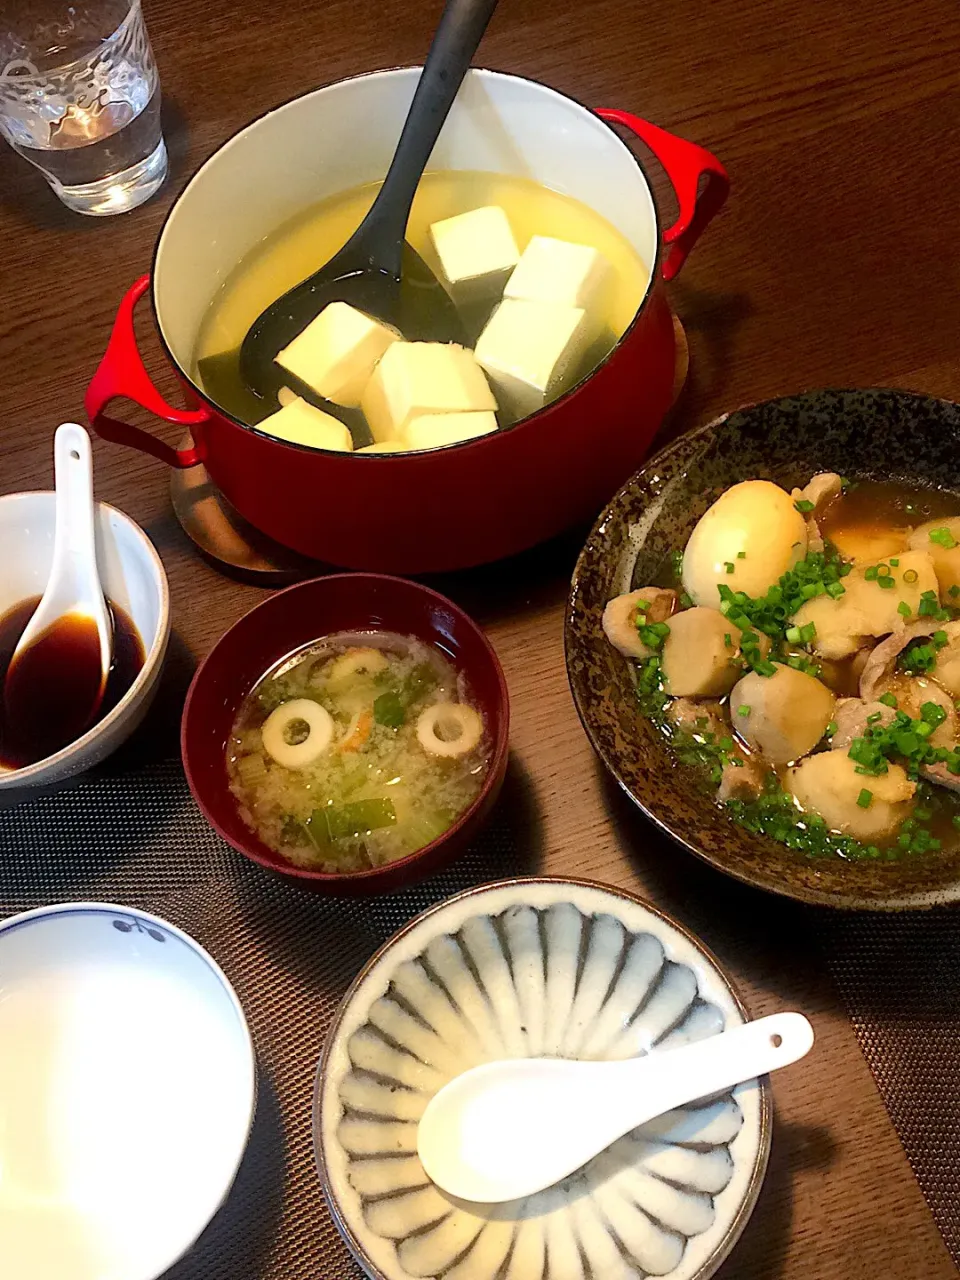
point(697, 176)
point(121, 373)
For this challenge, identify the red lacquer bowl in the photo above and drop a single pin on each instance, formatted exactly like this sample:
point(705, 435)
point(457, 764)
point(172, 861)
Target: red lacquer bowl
point(286, 622)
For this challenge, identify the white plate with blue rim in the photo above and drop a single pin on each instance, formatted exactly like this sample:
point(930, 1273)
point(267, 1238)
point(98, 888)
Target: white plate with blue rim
point(535, 967)
point(127, 1093)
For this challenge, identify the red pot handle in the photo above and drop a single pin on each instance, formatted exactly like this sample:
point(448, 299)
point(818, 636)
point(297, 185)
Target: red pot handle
point(697, 176)
point(121, 372)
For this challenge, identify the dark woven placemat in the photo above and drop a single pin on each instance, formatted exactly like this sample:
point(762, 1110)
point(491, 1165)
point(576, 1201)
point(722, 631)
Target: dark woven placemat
point(139, 840)
point(899, 976)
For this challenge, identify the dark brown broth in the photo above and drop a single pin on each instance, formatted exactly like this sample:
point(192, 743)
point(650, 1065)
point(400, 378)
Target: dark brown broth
point(886, 505)
point(53, 684)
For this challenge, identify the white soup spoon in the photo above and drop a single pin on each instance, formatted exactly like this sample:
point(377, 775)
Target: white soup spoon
point(74, 583)
point(511, 1128)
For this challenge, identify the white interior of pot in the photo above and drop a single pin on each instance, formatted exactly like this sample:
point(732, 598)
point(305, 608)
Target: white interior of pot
point(344, 135)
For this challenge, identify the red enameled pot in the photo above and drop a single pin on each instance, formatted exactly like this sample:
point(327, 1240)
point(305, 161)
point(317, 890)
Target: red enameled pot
point(466, 504)
point(292, 619)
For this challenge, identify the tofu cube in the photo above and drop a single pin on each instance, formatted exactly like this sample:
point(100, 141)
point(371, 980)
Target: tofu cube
point(529, 350)
point(414, 378)
point(477, 252)
point(336, 353)
point(570, 275)
point(302, 423)
point(434, 430)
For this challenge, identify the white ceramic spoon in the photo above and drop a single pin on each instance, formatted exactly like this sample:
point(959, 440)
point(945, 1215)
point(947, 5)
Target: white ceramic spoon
point(74, 582)
point(508, 1129)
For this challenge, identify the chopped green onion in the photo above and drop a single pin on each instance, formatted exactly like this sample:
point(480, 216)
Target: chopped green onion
point(886, 581)
point(871, 573)
point(728, 639)
point(895, 563)
point(728, 565)
point(653, 634)
point(808, 633)
point(804, 506)
point(888, 700)
point(743, 710)
point(864, 798)
point(741, 555)
point(792, 634)
point(904, 609)
point(932, 713)
point(943, 537)
point(939, 638)
point(911, 576)
point(831, 729)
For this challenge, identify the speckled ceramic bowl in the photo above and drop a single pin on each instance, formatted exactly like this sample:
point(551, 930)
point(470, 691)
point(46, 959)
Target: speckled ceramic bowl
point(516, 969)
point(877, 434)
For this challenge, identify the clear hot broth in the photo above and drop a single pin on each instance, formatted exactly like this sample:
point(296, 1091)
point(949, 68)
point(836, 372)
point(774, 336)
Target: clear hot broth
point(303, 244)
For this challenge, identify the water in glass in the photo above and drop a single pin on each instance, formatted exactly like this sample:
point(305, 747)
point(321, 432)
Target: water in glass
point(80, 99)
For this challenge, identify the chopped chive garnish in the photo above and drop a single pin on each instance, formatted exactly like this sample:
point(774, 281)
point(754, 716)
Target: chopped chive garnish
point(895, 564)
point(741, 555)
point(831, 729)
point(808, 632)
point(929, 605)
point(943, 537)
point(864, 798)
point(885, 580)
point(728, 565)
point(793, 635)
point(743, 710)
point(888, 700)
point(870, 573)
point(805, 506)
point(904, 609)
point(911, 576)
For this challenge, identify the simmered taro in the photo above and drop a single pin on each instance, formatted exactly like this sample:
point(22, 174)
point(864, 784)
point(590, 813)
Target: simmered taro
point(356, 751)
point(806, 663)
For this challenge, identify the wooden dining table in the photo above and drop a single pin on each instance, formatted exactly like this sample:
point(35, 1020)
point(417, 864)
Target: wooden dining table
point(834, 263)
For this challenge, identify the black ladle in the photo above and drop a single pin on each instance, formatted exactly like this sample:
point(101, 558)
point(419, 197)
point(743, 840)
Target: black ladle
point(376, 271)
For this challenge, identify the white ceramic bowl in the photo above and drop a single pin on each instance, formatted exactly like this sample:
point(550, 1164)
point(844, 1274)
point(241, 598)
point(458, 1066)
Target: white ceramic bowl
point(132, 577)
point(127, 1092)
point(554, 968)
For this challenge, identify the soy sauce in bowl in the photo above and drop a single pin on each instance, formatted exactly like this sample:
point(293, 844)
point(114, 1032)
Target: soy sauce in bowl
point(48, 704)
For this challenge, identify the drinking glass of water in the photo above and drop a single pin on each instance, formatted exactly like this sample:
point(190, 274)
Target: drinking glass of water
point(80, 99)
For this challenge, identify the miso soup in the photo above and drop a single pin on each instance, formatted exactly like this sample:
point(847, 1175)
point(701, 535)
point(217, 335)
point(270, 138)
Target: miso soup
point(356, 751)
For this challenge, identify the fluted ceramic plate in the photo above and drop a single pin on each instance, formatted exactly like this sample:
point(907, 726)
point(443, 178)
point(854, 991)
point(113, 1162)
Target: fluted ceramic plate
point(535, 968)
